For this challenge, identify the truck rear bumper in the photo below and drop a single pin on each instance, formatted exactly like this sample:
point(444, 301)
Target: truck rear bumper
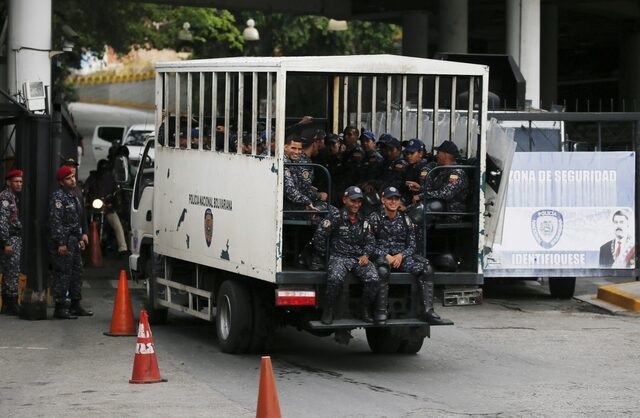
point(356, 323)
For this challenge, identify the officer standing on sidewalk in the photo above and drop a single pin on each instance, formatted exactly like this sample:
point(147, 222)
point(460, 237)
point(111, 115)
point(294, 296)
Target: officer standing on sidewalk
point(11, 241)
point(65, 243)
point(396, 249)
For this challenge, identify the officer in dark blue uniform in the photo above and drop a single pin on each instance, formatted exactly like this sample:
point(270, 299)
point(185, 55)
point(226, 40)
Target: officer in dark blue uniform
point(11, 240)
point(299, 194)
point(371, 166)
point(65, 244)
point(395, 249)
point(395, 166)
point(351, 243)
point(450, 185)
point(417, 170)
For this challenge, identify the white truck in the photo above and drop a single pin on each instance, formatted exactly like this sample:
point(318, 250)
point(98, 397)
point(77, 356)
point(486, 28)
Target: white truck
point(215, 215)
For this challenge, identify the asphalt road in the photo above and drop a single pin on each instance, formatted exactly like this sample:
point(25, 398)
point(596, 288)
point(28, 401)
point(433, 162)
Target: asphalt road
point(88, 116)
point(521, 353)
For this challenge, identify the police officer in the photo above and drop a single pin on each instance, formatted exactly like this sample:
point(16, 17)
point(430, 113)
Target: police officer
point(65, 244)
point(351, 243)
point(395, 249)
point(417, 170)
point(371, 166)
point(298, 190)
point(395, 166)
point(449, 184)
point(11, 241)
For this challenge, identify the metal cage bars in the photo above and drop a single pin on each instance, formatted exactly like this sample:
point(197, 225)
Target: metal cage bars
point(340, 105)
point(233, 106)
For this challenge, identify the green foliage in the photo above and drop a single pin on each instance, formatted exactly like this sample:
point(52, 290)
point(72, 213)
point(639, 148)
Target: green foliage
point(282, 34)
point(123, 25)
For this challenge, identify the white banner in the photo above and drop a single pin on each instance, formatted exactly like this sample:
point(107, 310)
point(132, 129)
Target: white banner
point(568, 211)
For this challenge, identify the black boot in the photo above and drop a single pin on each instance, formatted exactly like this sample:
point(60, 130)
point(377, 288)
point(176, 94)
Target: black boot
point(327, 316)
point(78, 310)
point(5, 304)
point(366, 315)
point(382, 300)
point(62, 311)
point(430, 316)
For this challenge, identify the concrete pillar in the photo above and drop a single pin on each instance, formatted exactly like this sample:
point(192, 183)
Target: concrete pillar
point(29, 43)
point(630, 72)
point(523, 43)
point(415, 34)
point(549, 56)
point(454, 26)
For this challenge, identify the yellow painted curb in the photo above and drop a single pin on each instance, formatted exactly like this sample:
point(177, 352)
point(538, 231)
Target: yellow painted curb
point(615, 294)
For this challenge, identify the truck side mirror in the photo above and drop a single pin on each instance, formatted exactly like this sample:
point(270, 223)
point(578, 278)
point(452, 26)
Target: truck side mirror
point(121, 169)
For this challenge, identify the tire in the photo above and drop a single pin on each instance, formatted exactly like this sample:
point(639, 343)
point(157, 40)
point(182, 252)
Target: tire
point(411, 345)
point(234, 317)
point(562, 287)
point(382, 341)
point(157, 316)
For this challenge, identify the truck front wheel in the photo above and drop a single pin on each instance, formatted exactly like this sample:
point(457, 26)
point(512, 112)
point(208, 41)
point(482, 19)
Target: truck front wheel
point(562, 287)
point(234, 316)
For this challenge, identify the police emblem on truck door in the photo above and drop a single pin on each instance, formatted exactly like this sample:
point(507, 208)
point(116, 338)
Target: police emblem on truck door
point(546, 227)
point(208, 226)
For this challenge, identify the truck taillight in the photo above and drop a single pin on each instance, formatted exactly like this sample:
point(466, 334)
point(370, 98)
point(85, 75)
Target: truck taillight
point(295, 297)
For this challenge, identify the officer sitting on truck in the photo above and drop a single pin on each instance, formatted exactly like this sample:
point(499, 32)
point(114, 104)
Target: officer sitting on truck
point(449, 184)
point(298, 192)
point(351, 243)
point(395, 249)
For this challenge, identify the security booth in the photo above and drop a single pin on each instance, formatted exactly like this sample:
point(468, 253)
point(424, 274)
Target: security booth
point(216, 209)
point(570, 208)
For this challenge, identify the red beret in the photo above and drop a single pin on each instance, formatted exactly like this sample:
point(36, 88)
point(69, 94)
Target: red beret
point(13, 173)
point(63, 172)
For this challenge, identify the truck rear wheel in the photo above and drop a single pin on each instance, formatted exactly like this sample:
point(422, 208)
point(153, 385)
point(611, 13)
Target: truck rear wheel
point(562, 287)
point(234, 317)
point(382, 340)
point(411, 345)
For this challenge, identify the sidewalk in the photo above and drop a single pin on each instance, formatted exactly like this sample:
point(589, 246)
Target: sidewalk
point(69, 368)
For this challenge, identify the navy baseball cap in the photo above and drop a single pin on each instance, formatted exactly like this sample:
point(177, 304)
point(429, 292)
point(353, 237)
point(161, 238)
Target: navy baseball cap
point(353, 192)
point(367, 136)
point(332, 138)
point(391, 192)
point(384, 138)
point(393, 142)
point(414, 145)
point(449, 147)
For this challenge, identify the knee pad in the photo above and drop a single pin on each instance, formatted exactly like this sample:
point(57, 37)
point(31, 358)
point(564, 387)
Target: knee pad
point(383, 271)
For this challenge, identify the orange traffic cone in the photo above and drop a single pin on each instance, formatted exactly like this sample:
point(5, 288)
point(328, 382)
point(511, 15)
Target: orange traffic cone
point(145, 364)
point(122, 324)
point(95, 253)
point(268, 404)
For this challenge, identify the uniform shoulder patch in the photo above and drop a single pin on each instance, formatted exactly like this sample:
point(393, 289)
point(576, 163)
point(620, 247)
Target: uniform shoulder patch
point(326, 223)
point(5, 203)
point(58, 204)
point(408, 221)
point(306, 174)
point(453, 178)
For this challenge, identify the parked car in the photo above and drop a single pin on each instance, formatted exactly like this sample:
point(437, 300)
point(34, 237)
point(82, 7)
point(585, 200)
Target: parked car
point(134, 137)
